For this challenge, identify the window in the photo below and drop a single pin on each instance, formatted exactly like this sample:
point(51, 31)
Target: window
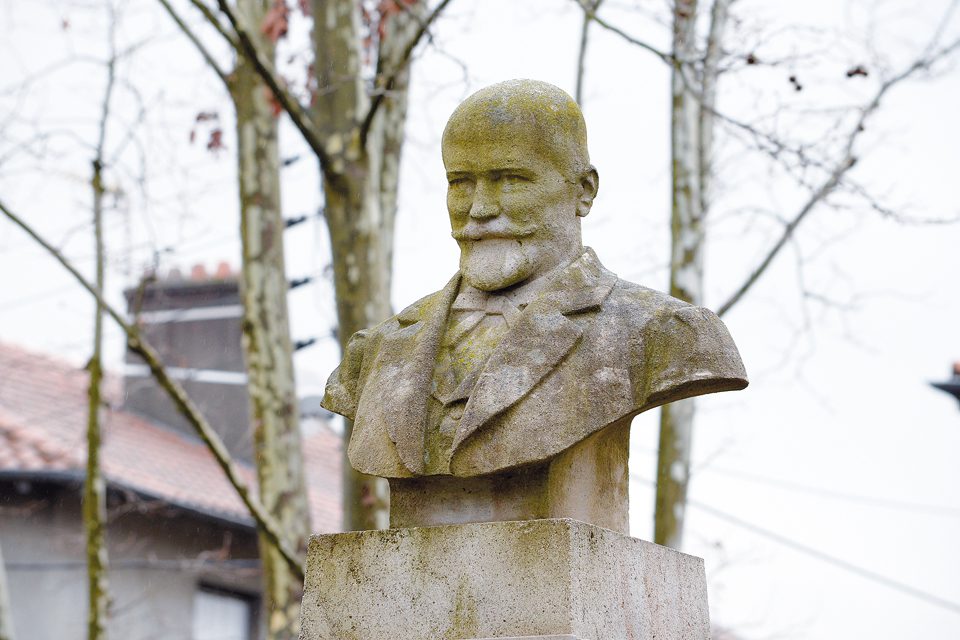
point(220, 615)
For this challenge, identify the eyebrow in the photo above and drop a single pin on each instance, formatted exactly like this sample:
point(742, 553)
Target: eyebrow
point(512, 169)
point(507, 169)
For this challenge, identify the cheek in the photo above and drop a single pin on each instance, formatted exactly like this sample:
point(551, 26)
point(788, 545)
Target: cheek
point(522, 205)
point(458, 201)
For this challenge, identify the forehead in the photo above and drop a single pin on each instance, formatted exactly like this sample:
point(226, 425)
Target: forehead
point(488, 145)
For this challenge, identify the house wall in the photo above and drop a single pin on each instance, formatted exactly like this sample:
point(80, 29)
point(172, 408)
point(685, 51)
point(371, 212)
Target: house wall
point(156, 556)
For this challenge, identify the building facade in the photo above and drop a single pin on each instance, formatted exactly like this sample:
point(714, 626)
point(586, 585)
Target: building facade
point(183, 559)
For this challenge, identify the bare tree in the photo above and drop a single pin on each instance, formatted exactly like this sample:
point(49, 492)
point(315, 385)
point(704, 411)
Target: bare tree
point(355, 129)
point(95, 487)
point(266, 336)
point(267, 344)
point(696, 64)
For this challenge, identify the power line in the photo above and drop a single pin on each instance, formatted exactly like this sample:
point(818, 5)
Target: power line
point(839, 495)
point(840, 563)
point(871, 501)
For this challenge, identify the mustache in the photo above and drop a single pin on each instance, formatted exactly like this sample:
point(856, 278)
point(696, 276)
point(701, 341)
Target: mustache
point(476, 234)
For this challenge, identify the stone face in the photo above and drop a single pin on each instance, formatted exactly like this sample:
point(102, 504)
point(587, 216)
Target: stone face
point(479, 401)
point(535, 579)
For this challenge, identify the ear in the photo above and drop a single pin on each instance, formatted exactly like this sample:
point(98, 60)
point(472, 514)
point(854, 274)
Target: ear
point(589, 184)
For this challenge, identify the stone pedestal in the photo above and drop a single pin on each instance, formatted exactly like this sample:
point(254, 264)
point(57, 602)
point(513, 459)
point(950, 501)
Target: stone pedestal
point(547, 579)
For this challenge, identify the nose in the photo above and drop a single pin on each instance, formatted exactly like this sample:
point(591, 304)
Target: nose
point(485, 203)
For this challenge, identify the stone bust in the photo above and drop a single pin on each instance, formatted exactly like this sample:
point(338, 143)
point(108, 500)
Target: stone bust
point(508, 394)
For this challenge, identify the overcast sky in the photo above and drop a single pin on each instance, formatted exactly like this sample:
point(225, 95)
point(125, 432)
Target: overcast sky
point(839, 447)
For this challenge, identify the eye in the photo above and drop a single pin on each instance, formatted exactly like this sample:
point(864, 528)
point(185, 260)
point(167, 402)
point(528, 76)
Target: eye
point(514, 178)
point(456, 181)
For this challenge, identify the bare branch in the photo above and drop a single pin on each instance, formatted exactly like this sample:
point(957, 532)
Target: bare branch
point(264, 521)
point(582, 54)
point(591, 14)
point(187, 31)
point(899, 217)
point(211, 17)
point(301, 120)
point(400, 67)
point(836, 176)
point(815, 198)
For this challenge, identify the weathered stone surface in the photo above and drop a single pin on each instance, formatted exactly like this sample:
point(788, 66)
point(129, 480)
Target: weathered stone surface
point(588, 482)
point(541, 578)
point(531, 349)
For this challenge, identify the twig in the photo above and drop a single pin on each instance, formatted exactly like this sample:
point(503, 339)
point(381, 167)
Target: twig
point(192, 37)
point(836, 176)
point(591, 14)
point(815, 198)
point(582, 54)
point(211, 17)
point(301, 120)
point(264, 521)
point(401, 66)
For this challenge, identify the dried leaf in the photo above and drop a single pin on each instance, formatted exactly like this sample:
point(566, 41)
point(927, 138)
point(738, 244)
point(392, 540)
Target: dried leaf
point(276, 21)
point(275, 107)
point(858, 70)
point(215, 142)
point(389, 8)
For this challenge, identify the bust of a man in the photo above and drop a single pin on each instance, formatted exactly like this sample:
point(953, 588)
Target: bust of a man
point(508, 394)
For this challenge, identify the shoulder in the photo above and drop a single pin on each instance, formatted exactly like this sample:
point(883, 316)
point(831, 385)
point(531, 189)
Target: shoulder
point(417, 311)
point(635, 307)
point(411, 314)
point(679, 349)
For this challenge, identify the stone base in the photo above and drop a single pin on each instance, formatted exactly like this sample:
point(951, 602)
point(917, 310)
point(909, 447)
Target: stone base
point(547, 579)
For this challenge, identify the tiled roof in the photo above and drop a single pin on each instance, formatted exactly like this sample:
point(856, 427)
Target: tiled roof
point(43, 417)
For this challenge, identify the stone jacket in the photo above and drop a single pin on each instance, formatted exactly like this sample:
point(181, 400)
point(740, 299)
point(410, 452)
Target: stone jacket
point(589, 350)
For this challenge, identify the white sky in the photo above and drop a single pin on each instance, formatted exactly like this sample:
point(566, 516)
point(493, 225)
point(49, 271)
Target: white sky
point(839, 400)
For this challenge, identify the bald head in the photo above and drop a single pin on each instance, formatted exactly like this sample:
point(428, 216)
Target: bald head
point(535, 113)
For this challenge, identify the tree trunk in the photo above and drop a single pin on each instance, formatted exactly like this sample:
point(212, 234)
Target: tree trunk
point(361, 200)
point(686, 271)
point(692, 121)
point(94, 491)
point(6, 615)
point(266, 335)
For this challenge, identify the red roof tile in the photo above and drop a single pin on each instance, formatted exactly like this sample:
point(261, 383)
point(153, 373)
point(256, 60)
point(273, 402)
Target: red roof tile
point(43, 407)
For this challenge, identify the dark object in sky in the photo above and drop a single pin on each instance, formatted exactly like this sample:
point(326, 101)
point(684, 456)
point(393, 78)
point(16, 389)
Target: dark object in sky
point(951, 386)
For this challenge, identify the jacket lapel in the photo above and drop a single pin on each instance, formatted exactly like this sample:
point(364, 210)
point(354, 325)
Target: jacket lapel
point(404, 371)
point(541, 338)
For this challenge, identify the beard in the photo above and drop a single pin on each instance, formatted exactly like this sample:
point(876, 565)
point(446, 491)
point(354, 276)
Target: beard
point(495, 263)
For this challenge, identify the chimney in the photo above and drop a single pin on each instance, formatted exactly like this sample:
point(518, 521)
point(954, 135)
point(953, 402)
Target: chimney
point(195, 326)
